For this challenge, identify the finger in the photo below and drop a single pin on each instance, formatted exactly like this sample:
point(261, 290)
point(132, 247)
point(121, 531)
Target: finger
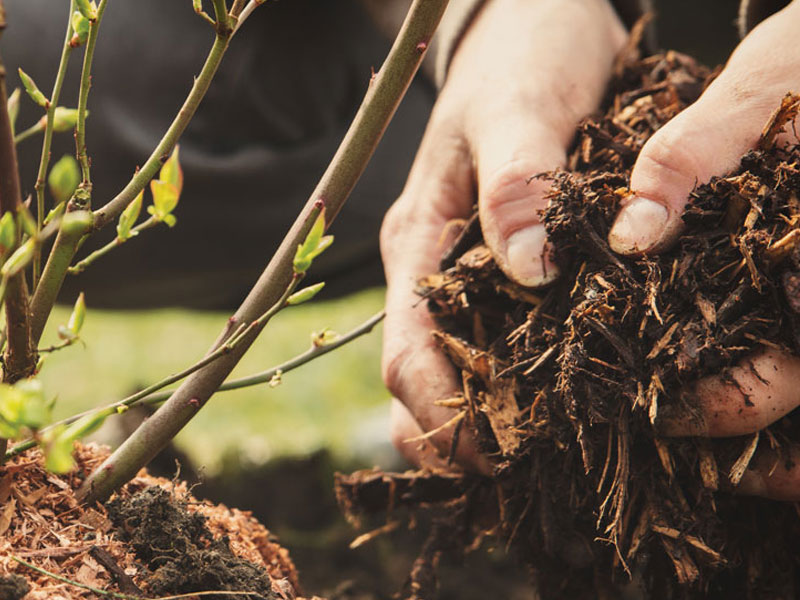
point(415, 370)
point(406, 434)
point(745, 399)
point(526, 118)
point(709, 137)
point(774, 475)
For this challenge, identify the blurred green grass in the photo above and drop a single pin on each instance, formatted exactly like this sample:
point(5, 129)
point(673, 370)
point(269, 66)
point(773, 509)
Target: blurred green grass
point(332, 402)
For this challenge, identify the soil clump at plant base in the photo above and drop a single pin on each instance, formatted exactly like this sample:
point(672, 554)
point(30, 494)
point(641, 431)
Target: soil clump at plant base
point(564, 388)
point(154, 539)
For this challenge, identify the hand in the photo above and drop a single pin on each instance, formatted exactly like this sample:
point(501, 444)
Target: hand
point(706, 139)
point(523, 76)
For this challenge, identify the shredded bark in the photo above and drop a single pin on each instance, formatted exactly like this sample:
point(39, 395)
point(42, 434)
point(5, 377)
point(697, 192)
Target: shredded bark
point(42, 523)
point(565, 387)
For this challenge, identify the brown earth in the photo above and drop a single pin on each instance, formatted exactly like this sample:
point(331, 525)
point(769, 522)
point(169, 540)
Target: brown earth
point(153, 539)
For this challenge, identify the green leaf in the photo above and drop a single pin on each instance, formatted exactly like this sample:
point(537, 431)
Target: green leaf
point(12, 105)
point(305, 294)
point(36, 410)
point(26, 222)
point(171, 171)
point(55, 212)
point(23, 405)
point(78, 315)
point(314, 245)
point(19, 260)
point(58, 451)
point(165, 198)
point(65, 119)
point(33, 91)
point(88, 9)
point(8, 233)
point(64, 178)
point(129, 217)
point(80, 25)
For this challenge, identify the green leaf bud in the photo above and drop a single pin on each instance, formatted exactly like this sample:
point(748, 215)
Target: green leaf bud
point(129, 217)
point(64, 178)
point(313, 245)
point(8, 233)
point(87, 8)
point(165, 198)
point(76, 319)
point(65, 119)
point(323, 338)
point(19, 260)
point(55, 212)
point(305, 294)
point(33, 91)
point(80, 25)
point(13, 107)
point(171, 171)
point(26, 222)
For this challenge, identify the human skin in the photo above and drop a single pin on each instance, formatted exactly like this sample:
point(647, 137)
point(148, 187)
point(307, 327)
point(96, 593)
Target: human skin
point(706, 139)
point(507, 111)
point(524, 74)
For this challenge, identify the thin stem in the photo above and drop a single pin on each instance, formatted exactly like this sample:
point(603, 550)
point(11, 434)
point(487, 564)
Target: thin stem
point(151, 395)
point(236, 8)
point(382, 98)
point(44, 298)
point(112, 210)
point(224, 27)
point(44, 160)
point(20, 356)
point(83, 98)
point(65, 247)
point(246, 12)
point(115, 243)
point(37, 127)
point(121, 596)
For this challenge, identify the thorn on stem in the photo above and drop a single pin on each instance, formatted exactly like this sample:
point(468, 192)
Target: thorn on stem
point(320, 204)
point(422, 46)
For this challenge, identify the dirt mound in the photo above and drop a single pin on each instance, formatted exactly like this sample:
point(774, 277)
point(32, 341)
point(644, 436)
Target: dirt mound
point(564, 388)
point(178, 544)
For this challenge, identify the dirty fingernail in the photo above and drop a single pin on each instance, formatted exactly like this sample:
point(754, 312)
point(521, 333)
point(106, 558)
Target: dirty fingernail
point(639, 227)
point(527, 257)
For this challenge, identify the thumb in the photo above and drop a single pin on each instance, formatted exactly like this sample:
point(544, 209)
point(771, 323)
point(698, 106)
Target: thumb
point(708, 138)
point(509, 200)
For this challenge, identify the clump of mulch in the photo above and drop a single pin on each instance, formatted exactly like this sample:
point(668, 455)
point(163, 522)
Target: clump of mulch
point(154, 539)
point(563, 388)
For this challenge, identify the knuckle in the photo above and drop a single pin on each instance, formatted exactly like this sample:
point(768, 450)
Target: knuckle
point(395, 368)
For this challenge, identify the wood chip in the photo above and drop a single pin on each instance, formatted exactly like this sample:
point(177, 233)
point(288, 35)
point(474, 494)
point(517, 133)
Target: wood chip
point(741, 464)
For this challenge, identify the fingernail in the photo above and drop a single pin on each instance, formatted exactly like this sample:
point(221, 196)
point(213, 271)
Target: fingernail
point(527, 257)
point(639, 227)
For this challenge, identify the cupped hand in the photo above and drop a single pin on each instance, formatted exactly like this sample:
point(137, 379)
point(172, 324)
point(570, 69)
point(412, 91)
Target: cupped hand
point(522, 77)
point(706, 139)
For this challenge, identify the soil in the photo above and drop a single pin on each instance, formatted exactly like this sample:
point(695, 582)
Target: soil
point(154, 538)
point(563, 388)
